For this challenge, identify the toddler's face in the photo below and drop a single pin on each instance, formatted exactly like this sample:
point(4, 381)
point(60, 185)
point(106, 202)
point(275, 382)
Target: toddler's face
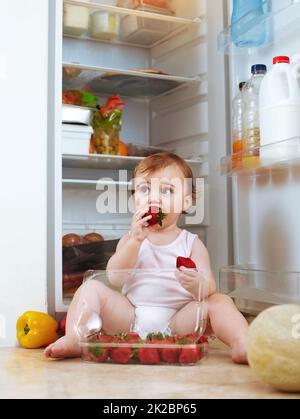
point(167, 189)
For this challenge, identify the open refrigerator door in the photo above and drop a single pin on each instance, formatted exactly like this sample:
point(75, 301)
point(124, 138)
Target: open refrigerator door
point(265, 185)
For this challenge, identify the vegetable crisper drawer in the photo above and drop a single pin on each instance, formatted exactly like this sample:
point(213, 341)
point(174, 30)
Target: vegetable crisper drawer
point(255, 290)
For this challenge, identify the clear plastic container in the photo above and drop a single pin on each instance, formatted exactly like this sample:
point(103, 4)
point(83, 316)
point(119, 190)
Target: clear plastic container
point(251, 120)
point(76, 139)
point(76, 19)
point(244, 33)
point(104, 26)
point(144, 31)
point(237, 127)
point(154, 337)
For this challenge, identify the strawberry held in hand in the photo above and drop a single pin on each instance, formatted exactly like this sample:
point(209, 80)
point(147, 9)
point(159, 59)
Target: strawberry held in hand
point(185, 262)
point(157, 216)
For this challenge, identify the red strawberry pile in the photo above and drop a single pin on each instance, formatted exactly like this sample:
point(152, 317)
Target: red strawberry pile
point(154, 350)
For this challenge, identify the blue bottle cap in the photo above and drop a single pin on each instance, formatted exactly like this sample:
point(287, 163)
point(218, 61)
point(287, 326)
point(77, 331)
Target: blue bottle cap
point(258, 69)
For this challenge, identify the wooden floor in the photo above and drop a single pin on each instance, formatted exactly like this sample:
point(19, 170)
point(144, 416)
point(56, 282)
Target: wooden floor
point(27, 374)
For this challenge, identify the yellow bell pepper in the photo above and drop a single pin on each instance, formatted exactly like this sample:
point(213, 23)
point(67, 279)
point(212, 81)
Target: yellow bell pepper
point(36, 330)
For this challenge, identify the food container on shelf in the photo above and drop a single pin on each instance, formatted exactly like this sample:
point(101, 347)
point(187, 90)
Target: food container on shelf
point(76, 19)
point(126, 4)
point(106, 141)
point(138, 150)
point(76, 115)
point(104, 25)
point(76, 139)
point(145, 31)
point(152, 337)
point(130, 4)
point(159, 4)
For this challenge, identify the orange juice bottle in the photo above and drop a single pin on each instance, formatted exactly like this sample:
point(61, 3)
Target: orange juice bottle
point(251, 120)
point(237, 128)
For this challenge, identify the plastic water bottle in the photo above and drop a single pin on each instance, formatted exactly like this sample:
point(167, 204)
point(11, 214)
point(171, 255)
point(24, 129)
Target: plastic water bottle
point(237, 127)
point(280, 107)
point(247, 30)
point(251, 120)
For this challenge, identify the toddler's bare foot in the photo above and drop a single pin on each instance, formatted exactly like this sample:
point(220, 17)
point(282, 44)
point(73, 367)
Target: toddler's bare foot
point(239, 352)
point(64, 347)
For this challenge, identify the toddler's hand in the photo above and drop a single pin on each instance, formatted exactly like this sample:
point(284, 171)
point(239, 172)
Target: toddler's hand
point(189, 280)
point(139, 226)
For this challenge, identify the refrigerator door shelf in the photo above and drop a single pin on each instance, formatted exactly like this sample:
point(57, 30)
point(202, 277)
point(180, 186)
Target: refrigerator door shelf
point(275, 157)
point(280, 19)
point(255, 290)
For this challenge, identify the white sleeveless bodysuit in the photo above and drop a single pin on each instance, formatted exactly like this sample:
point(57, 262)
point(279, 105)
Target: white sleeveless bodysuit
point(153, 288)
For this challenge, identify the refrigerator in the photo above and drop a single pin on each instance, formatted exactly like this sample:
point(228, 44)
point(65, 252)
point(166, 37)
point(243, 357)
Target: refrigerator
point(250, 222)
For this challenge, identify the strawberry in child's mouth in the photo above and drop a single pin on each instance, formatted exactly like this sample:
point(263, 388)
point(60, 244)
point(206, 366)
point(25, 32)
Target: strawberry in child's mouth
point(157, 216)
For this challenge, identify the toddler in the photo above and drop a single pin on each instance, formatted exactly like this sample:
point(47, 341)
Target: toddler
point(160, 304)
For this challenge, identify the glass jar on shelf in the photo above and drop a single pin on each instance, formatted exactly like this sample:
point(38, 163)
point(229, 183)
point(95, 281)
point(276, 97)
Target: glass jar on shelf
point(106, 141)
point(107, 124)
point(76, 19)
point(104, 25)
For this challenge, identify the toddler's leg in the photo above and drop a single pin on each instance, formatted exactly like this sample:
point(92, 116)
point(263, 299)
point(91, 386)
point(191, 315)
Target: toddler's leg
point(229, 326)
point(189, 319)
point(116, 312)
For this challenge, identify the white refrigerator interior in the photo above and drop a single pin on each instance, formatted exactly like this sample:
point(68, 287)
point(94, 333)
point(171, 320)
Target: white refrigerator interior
point(184, 111)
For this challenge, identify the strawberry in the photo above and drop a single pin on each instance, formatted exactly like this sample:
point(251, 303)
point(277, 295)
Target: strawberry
point(149, 356)
point(156, 338)
point(157, 216)
point(192, 338)
point(185, 262)
point(169, 355)
point(203, 340)
point(99, 353)
point(121, 355)
point(132, 337)
point(190, 355)
point(104, 338)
